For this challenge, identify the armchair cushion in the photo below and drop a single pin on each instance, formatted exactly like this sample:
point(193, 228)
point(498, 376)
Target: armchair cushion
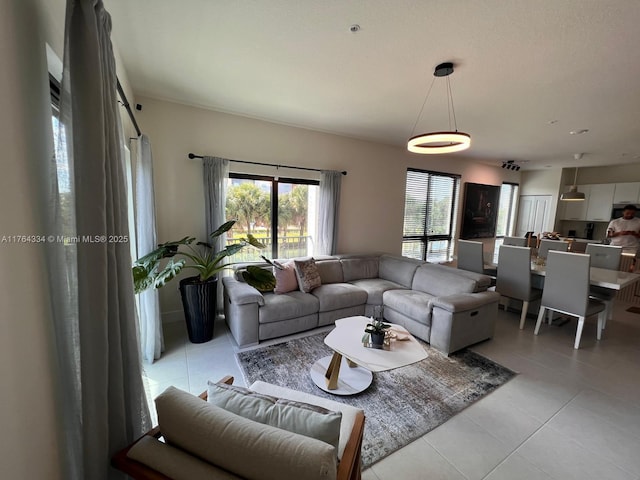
point(224, 439)
point(349, 413)
point(298, 417)
point(174, 462)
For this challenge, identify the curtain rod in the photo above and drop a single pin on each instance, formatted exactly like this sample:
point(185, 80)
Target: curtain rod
point(344, 172)
point(125, 103)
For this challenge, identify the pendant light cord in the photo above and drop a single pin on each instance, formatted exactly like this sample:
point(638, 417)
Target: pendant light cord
point(422, 108)
point(453, 110)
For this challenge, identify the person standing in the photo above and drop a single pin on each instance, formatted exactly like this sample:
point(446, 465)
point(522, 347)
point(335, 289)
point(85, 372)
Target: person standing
point(625, 231)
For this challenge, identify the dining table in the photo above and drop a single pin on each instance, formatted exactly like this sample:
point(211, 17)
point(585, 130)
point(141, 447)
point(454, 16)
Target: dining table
point(599, 277)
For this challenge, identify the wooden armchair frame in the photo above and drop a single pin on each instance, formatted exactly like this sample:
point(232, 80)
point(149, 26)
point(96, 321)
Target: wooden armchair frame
point(349, 467)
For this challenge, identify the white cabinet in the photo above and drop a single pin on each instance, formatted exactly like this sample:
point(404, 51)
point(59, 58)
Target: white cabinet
point(599, 202)
point(626, 192)
point(575, 210)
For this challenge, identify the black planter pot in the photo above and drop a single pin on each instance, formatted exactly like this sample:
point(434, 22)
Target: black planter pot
point(377, 338)
point(199, 302)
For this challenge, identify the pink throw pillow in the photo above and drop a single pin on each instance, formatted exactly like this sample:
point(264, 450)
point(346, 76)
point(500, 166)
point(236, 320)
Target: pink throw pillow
point(286, 280)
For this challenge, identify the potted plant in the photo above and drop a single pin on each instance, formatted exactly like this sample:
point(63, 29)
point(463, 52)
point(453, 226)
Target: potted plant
point(377, 330)
point(198, 292)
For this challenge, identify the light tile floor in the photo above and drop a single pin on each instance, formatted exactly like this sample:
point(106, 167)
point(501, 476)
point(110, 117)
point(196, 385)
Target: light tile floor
point(569, 414)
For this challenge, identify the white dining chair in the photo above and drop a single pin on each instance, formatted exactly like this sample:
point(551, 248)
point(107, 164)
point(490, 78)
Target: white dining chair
point(566, 291)
point(604, 256)
point(471, 258)
point(515, 241)
point(514, 277)
point(546, 245)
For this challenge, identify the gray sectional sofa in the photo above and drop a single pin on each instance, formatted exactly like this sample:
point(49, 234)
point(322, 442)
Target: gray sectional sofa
point(448, 308)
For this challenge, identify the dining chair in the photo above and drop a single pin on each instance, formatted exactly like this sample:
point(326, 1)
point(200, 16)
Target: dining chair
point(471, 258)
point(515, 241)
point(514, 277)
point(566, 291)
point(546, 245)
point(604, 256)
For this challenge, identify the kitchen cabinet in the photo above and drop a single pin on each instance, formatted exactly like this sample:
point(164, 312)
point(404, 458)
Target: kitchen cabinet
point(626, 192)
point(599, 202)
point(576, 210)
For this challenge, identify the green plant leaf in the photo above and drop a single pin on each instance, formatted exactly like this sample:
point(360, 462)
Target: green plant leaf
point(259, 278)
point(254, 242)
point(170, 270)
point(230, 250)
point(225, 227)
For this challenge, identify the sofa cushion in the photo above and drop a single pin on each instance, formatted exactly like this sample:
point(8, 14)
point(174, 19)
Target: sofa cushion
point(298, 417)
point(398, 269)
point(375, 287)
point(359, 268)
point(286, 279)
point(286, 306)
point(411, 303)
point(339, 295)
point(330, 271)
point(228, 440)
point(441, 281)
point(483, 282)
point(308, 275)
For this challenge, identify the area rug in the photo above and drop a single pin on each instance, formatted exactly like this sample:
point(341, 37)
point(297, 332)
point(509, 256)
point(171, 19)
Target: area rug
point(401, 405)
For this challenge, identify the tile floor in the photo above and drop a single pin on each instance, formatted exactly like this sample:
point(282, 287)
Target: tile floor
point(567, 415)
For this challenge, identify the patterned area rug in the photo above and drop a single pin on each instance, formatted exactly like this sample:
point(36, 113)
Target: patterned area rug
point(401, 405)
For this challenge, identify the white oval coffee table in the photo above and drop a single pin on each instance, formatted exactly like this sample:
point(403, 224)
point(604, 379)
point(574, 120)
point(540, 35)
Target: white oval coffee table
point(349, 370)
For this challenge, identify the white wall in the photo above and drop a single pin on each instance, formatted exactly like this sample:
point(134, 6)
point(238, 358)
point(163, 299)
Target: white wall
point(28, 443)
point(372, 203)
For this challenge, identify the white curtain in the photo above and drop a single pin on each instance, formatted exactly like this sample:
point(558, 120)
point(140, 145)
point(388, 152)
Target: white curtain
point(215, 175)
point(151, 338)
point(328, 205)
point(104, 405)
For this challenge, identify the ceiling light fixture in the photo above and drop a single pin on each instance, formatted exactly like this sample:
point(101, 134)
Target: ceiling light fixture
point(510, 165)
point(440, 142)
point(573, 195)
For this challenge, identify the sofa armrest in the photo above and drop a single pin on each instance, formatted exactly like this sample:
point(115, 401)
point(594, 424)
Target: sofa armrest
point(465, 301)
point(241, 293)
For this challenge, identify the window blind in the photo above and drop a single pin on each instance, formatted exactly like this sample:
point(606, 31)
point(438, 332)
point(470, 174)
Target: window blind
point(429, 215)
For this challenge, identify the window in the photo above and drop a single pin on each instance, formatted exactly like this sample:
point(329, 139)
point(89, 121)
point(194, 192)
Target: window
point(283, 209)
point(430, 208)
point(506, 215)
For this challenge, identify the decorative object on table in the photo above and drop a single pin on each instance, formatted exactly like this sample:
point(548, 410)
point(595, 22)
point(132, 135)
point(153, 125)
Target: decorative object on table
point(198, 293)
point(480, 210)
point(377, 329)
point(550, 236)
point(431, 391)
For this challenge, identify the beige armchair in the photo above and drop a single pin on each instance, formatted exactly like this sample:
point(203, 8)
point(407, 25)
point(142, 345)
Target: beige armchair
point(150, 458)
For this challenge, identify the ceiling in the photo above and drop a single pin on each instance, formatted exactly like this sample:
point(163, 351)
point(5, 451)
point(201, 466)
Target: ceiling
point(527, 72)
